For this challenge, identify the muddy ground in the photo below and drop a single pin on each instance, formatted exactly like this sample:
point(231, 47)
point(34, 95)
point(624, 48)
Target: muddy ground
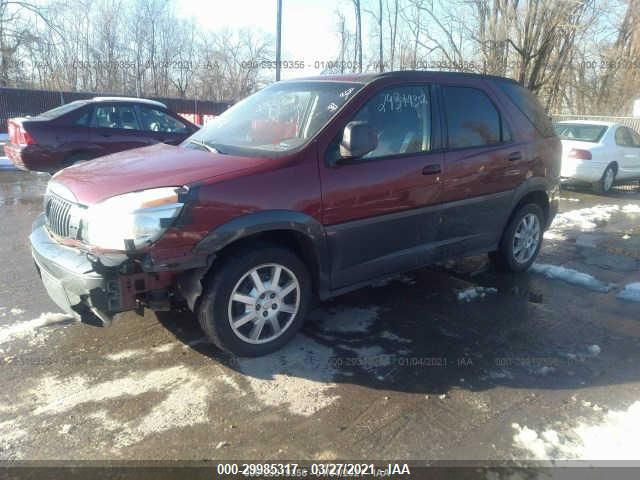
point(450, 362)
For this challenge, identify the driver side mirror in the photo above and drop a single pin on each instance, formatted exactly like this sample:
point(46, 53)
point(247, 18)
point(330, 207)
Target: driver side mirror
point(358, 139)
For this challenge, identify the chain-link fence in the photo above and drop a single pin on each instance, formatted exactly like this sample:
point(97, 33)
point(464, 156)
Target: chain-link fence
point(18, 102)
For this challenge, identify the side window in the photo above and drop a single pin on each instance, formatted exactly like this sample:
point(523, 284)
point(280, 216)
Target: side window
point(529, 105)
point(635, 137)
point(623, 137)
point(472, 119)
point(154, 120)
point(401, 118)
point(115, 116)
point(84, 119)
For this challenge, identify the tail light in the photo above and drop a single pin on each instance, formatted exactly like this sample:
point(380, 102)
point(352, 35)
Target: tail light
point(580, 154)
point(18, 135)
point(29, 140)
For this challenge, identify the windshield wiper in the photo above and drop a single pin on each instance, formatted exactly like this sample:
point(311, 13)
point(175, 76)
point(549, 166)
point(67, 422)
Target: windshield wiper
point(206, 146)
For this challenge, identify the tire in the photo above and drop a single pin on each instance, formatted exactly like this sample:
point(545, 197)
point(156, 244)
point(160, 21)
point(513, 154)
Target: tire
point(606, 181)
point(508, 258)
point(216, 311)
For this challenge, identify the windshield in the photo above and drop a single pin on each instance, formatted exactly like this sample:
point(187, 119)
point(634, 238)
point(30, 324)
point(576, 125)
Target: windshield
point(276, 119)
point(580, 131)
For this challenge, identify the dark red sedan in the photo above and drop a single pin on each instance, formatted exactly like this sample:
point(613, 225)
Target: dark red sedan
point(86, 129)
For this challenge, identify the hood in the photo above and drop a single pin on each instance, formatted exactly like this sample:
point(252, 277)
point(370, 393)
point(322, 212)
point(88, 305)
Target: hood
point(159, 165)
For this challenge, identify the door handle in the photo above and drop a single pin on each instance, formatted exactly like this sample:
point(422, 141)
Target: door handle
point(432, 169)
point(514, 156)
point(106, 135)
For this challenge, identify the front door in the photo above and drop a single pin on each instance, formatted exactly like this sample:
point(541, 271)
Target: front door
point(161, 126)
point(628, 153)
point(376, 208)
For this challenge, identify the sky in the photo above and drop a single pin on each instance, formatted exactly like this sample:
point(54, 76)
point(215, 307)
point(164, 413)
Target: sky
point(308, 26)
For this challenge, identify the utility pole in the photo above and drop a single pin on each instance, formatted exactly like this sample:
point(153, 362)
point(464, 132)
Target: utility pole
point(278, 39)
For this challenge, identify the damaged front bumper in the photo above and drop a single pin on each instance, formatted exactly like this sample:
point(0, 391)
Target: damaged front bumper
point(89, 290)
point(72, 281)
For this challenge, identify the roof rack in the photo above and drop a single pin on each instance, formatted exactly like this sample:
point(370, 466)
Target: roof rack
point(129, 99)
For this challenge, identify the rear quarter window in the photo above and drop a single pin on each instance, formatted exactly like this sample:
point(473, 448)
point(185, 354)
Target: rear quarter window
point(62, 110)
point(529, 105)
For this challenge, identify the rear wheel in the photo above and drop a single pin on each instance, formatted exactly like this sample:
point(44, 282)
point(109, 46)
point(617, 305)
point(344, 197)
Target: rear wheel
point(255, 301)
point(521, 240)
point(606, 182)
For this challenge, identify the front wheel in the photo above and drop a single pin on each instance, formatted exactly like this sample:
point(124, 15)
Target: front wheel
point(521, 240)
point(255, 301)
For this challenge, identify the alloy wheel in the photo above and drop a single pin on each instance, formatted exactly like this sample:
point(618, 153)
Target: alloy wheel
point(264, 303)
point(526, 238)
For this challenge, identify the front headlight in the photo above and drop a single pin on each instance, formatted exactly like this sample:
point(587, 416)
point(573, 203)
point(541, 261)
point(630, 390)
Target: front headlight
point(133, 220)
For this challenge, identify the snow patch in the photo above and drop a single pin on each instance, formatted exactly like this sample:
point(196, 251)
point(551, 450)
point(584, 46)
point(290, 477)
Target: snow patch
point(387, 335)
point(299, 377)
point(29, 328)
point(125, 355)
point(631, 208)
point(139, 353)
point(16, 311)
point(167, 347)
point(630, 292)
point(594, 350)
point(185, 403)
point(570, 275)
point(59, 395)
point(473, 293)
point(554, 236)
point(65, 429)
point(584, 218)
point(11, 434)
point(615, 437)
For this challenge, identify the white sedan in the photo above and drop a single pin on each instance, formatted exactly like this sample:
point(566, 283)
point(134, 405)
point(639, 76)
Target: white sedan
point(600, 153)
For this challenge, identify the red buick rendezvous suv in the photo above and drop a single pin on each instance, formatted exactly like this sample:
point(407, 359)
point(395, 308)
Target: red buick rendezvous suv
point(308, 188)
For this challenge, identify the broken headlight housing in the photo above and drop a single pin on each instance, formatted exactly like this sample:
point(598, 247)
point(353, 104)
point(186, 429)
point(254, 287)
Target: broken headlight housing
point(132, 221)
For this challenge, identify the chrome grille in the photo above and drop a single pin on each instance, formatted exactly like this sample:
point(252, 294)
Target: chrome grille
point(57, 213)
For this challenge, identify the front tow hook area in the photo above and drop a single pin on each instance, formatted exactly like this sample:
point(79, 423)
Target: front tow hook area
point(92, 316)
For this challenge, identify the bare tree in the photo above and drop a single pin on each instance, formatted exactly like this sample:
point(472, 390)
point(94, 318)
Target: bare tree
point(358, 35)
point(380, 41)
point(343, 35)
point(392, 20)
point(16, 31)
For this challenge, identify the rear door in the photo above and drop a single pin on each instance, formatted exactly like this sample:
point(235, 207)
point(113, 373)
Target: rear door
point(71, 132)
point(483, 165)
point(628, 155)
point(161, 125)
point(115, 127)
point(376, 209)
